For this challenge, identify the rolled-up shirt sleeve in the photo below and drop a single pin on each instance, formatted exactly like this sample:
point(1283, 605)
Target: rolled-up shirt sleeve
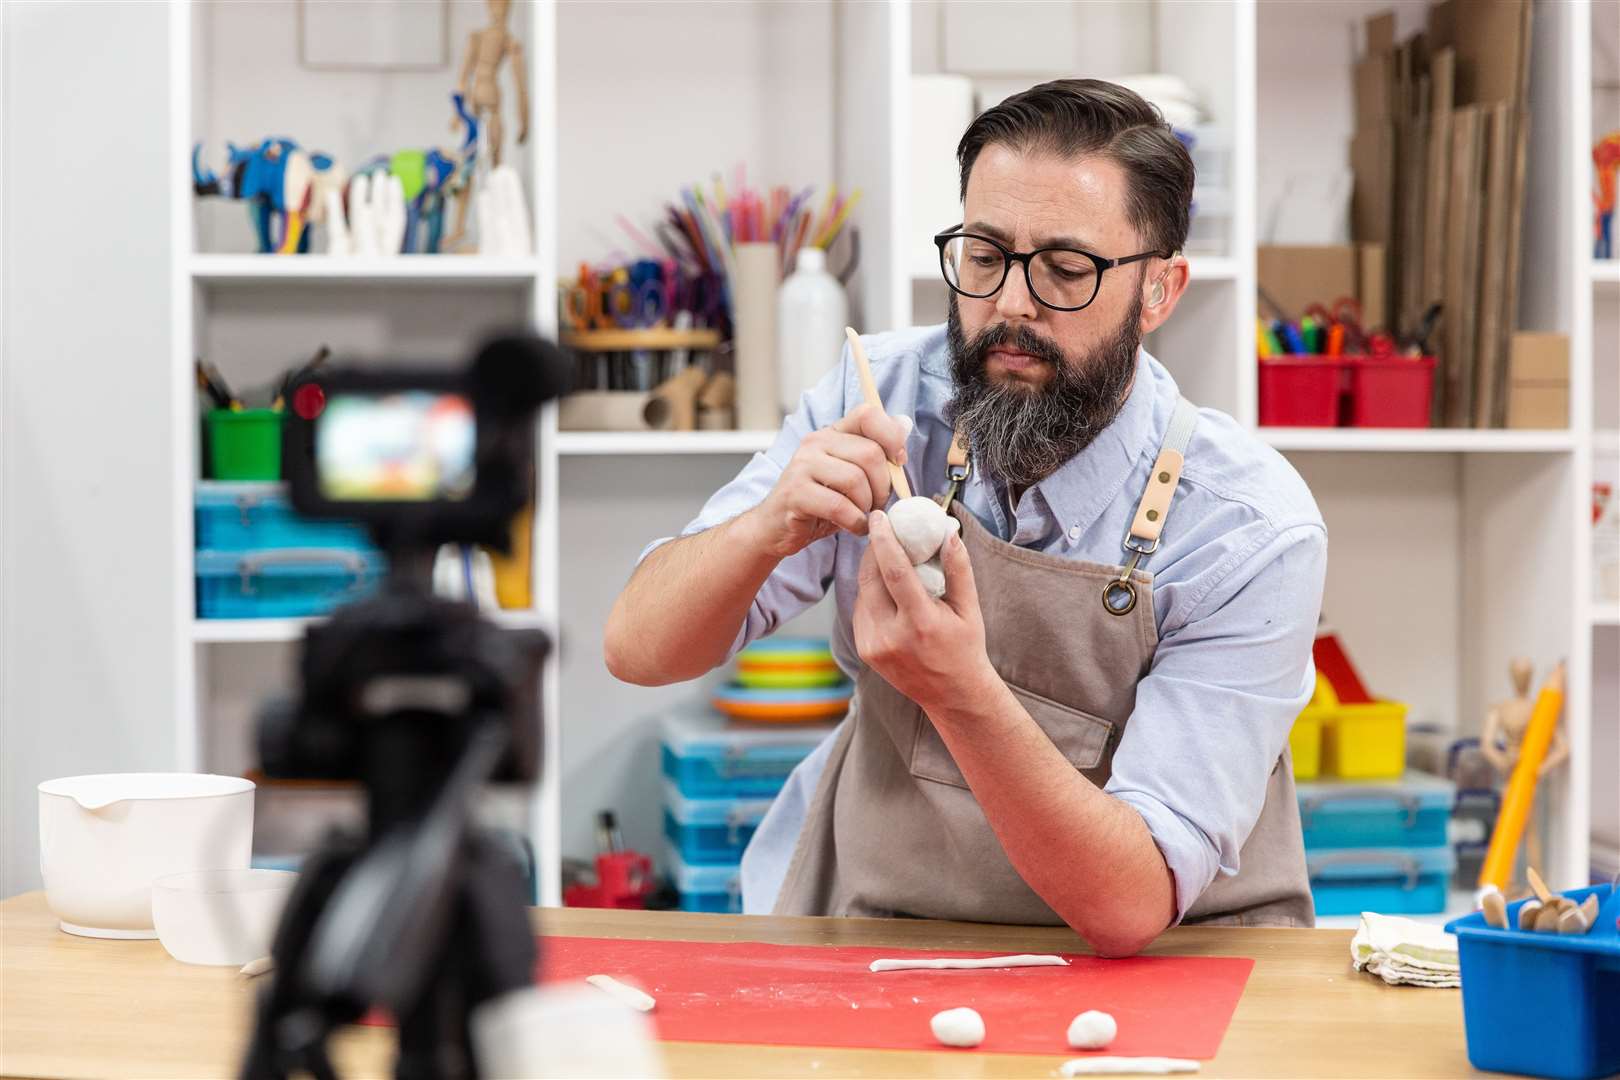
point(1213, 714)
point(802, 579)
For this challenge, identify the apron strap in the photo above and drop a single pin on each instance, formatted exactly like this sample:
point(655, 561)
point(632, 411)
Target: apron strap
point(1155, 504)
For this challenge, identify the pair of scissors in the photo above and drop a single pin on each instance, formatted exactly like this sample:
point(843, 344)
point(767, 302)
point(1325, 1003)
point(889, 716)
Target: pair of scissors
point(635, 296)
point(585, 301)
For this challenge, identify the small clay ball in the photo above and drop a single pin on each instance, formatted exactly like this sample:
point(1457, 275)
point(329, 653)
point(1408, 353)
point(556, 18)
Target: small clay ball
point(921, 526)
point(1092, 1030)
point(958, 1027)
point(932, 576)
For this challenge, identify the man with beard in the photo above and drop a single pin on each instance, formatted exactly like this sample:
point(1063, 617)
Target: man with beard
point(1078, 732)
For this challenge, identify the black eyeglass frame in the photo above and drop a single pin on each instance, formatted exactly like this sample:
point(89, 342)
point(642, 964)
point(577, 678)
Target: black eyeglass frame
point(1009, 256)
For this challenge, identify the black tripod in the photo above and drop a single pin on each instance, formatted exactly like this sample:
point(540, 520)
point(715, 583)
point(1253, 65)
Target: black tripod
point(421, 914)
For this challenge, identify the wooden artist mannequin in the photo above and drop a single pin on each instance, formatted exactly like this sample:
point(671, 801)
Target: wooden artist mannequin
point(486, 49)
point(1505, 725)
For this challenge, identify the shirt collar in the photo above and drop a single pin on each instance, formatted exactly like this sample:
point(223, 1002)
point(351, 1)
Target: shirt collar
point(1088, 483)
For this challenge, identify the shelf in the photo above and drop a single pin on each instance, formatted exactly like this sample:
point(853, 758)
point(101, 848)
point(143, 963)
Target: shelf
point(1606, 441)
point(259, 631)
point(228, 270)
point(626, 340)
point(1605, 614)
point(1606, 272)
point(605, 443)
point(1417, 440)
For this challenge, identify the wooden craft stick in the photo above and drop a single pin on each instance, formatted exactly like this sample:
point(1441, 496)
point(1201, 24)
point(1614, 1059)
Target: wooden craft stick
point(1538, 886)
point(863, 367)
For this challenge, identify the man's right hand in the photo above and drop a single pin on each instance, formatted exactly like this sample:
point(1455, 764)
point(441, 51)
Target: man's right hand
point(837, 477)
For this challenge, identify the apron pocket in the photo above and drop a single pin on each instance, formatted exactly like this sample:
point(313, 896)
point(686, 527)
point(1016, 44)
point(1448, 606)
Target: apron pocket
point(1081, 738)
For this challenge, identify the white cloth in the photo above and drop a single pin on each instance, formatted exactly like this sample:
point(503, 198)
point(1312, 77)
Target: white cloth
point(1401, 951)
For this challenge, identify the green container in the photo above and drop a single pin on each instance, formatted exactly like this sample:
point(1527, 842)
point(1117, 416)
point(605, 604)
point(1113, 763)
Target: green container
point(244, 445)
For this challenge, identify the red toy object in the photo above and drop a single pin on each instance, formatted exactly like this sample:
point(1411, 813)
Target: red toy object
point(818, 995)
point(624, 879)
point(1334, 664)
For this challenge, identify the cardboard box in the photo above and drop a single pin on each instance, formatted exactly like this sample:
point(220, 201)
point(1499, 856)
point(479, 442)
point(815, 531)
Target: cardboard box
point(1299, 276)
point(1538, 357)
point(1538, 374)
point(1538, 405)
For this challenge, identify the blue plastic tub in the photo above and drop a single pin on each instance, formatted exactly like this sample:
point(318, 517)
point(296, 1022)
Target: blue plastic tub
point(1542, 1004)
point(709, 757)
point(707, 888)
point(249, 516)
point(280, 584)
point(1391, 881)
point(708, 832)
point(1411, 812)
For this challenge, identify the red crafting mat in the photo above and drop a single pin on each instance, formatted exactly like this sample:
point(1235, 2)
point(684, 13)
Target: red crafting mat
point(808, 995)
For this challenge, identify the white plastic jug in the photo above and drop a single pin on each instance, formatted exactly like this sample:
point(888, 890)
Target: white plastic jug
point(811, 312)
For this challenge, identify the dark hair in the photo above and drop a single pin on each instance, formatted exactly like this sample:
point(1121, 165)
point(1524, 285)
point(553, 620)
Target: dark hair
point(1074, 117)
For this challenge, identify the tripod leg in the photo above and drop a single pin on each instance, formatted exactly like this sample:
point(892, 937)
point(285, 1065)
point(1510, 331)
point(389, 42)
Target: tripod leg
point(278, 1002)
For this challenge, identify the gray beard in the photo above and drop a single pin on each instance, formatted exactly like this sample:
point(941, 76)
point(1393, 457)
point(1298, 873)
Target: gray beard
point(1021, 434)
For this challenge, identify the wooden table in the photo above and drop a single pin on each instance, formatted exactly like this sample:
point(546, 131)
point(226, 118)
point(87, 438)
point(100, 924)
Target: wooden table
point(73, 1007)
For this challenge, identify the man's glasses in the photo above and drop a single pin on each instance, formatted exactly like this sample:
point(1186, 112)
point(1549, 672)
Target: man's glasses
point(1063, 279)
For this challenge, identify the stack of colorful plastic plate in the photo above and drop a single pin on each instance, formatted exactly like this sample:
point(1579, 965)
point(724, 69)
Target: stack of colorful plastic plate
point(786, 680)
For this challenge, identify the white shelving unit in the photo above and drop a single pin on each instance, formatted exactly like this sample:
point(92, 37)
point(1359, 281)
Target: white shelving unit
point(1440, 538)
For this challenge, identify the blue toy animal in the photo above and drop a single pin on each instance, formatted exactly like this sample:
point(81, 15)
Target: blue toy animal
point(282, 183)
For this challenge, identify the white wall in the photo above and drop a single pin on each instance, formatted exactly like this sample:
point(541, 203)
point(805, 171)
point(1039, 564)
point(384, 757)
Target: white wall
point(86, 545)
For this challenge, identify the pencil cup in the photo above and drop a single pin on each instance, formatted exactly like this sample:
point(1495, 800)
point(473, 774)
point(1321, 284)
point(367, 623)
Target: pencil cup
point(753, 300)
point(244, 445)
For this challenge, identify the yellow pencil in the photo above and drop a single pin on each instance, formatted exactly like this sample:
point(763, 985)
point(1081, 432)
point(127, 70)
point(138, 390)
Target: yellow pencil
point(831, 231)
point(1521, 789)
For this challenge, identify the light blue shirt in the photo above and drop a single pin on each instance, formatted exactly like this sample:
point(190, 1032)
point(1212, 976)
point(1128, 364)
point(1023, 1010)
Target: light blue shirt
point(1237, 584)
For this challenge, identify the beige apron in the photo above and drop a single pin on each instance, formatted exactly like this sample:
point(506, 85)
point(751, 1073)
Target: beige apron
point(893, 829)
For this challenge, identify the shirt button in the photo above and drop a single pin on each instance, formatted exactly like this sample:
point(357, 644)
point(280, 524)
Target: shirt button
point(1074, 532)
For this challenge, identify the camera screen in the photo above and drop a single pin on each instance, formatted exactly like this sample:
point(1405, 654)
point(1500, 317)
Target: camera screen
point(406, 446)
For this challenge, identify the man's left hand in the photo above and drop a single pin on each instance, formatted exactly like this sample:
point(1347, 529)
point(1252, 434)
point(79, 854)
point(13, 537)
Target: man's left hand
point(929, 650)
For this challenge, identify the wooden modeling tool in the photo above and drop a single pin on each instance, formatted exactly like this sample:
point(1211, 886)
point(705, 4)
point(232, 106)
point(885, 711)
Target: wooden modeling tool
point(897, 475)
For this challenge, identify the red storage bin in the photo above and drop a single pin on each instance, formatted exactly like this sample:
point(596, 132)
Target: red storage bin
point(1390, 391)
point(1301, 391)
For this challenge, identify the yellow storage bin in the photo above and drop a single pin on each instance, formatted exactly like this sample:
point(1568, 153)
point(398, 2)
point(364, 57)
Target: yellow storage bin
point(1305, 738)
point(1365, 742)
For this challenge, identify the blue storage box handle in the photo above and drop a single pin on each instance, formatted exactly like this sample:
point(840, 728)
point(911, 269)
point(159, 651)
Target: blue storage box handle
point(254, 563)
point(1408, 802)
point(1403, 864)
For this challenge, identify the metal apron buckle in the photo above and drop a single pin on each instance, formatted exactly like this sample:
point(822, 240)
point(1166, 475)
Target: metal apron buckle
point(1119, 595)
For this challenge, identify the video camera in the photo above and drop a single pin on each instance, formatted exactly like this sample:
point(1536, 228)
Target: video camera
point(418, 698)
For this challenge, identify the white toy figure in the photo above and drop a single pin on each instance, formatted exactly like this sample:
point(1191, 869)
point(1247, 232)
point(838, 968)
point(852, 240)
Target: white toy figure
point(503, 217)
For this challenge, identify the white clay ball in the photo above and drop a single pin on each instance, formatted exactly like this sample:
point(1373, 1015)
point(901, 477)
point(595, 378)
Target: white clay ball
point(932, 576)
point(921, 525)
point(958, 1027)
point(1092, 1030)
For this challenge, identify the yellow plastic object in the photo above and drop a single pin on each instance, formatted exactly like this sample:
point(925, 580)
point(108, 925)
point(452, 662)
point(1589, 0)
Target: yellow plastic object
point(1305, 738)
point(512, 587)
point(1365, 742)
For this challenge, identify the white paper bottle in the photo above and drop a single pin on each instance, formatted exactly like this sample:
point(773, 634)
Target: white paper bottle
point(753, 318)
point(811, 313)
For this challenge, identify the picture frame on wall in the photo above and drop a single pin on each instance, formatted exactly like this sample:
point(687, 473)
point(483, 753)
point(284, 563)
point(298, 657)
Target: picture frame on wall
point(374, 35)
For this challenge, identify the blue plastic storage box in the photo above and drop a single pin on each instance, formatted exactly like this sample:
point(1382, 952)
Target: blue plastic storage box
point(279, 584)
point(1391, 881)
point(1542, 1004)
point(709, 757)
point(1412, 812)
point(250, 516)
point(707, 832)
point(707, 888)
